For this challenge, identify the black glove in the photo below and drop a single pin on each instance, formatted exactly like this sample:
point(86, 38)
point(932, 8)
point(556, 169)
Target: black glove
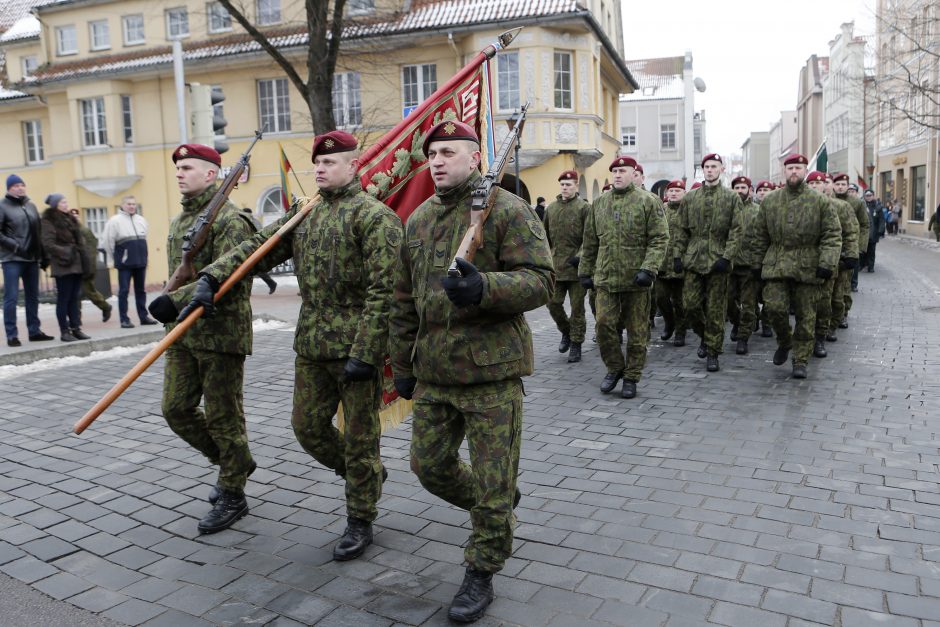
point(756, 272)
point(406, 387)
point(356, 370)
point(586, 282)
point(677, 265)
point(163, 309)
point(574, 261)
point(643, 278)
point(848, 263)
point(823, 273)
point(721, 265)
point(203, 295)
point(467, 289)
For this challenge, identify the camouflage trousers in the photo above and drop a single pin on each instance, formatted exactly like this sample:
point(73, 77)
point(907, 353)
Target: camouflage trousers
point(824, 306)
point(219, 432)
point(576, 325)
point(743, 293)
point(778, 296)
point(669, 301)
point(91, 292)
point(354, 453)
point(490, 417)
point(705, 297)
point(623, 310)
point(841, 294)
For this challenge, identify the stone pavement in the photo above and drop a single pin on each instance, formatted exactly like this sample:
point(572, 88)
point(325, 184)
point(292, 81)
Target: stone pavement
point(736, 498)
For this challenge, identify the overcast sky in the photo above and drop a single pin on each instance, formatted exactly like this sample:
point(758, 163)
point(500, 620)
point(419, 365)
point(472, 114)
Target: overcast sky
point(748, 52)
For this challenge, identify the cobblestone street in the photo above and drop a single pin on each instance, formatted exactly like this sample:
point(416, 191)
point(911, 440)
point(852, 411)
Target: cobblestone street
point(742, 497)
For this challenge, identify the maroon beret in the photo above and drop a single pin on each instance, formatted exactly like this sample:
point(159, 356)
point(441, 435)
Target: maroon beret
point(764, 184)
point(676, 184)
point(607, 186)
point(696, 184)
point(840, 176)
point(332, 142)
point(815, 175)
point(796, 158)
point(639, 168)
point(622, 162)
point(828, 176)
point(449, 130)
point(712, 156)
point(568, 175)
point(197, 151)
point(740, 179)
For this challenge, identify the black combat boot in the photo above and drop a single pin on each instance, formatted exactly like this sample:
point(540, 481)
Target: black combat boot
point(679, 340)
point(610, 381)
point(734, 333)
point(215, 491)
point(844, 324)
point(702, 352)
point(565, 343)
point(711, 364)
point(629, 389)
point(799, 371)
point(780, 355)
point(574, 354)
point(832, 337)
point(741, 348)
point(667, 331)
point(766, 331)
point(819, 347)
point(230, 507)
point(357, 537)
point(473, 597)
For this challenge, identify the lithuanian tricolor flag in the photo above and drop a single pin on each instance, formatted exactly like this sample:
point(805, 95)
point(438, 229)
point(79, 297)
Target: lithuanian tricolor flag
point(285, 185)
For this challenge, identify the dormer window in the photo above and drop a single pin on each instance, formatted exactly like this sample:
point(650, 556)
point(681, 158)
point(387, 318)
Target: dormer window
point(133, 29)
point(99, 35)
point(66, 40)
point(177, 23)
point(30, 63)
point(269, 12)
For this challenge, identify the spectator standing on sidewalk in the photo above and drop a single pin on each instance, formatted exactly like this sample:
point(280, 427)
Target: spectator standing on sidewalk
point(89, 290)
point(125, 240)
point(935, 223)
point(62, 240)
point(876, 227)
point(21, 255)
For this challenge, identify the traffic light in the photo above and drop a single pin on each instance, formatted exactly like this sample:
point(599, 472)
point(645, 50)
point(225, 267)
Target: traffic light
point(206, 126)
point(218, 120)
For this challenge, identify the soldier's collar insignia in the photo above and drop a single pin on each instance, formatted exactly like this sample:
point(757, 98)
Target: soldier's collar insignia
point(329, 143)
point(183, 151)
point(449, 128)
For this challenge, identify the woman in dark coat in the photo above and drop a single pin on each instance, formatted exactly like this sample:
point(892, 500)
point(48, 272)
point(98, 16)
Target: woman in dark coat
point(62, 241)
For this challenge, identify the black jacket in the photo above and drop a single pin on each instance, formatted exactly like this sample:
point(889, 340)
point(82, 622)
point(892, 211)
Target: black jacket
point(20, 238)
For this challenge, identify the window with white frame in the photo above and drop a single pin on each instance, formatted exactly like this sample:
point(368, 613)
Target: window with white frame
point(29, 65)
point(127, 119)
point(95, 219)
point(347, 106)
point(219, 19)
point(94, 130)
point(66, 40)
point(628, 138)
point(32, 138)
point(177, 23)
point(274, 105)
point(418, 82)
point(358, 7)
point(667, 136)
point(133, 26)
point(269, 12)
point(99, 34)
point(507, 80)
point(563, 80)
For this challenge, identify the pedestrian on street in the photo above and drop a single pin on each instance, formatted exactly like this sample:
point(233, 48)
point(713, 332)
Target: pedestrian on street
point(934, 223)
point(125, 241)
point(21, 256)
point(264, 276)
point(668, 286)
point(208, 362)
point(797, 240)
point(564, 225)
point(876, 227)
point(89, 290)
point(62, 241)
point(460, 347)
point(743, 286)
point(540, 207)
point(844, 191)
point(625, 241)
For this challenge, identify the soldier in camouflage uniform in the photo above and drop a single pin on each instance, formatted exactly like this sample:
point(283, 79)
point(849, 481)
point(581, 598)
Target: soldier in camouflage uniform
point(345, 254)
point(89, 290)
point(797, 239)
point(743, 286)
point(764, 187)
point(209, 361)
point(564, 226)
point(668, 285)
point(461, 345)
point(709, 235)
point(625, 240)
point(840, 185)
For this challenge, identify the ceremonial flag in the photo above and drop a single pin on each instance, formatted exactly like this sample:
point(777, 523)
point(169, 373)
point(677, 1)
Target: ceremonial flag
point(862, 184)
point(285, 167)
point(820, 160)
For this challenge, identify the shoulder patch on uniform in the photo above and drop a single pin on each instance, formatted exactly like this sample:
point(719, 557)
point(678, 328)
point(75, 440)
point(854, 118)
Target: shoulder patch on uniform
point(393, 236)
point(537, 228)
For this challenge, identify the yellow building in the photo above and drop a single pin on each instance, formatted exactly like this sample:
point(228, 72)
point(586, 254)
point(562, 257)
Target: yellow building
point(90, 91)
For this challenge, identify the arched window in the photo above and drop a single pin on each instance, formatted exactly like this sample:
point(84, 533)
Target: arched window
point(269, 205)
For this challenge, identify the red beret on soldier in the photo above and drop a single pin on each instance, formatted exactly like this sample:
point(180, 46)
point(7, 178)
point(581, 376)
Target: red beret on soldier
point(815, 175)
point(740, 179)
point(332, 142)
point(197, 151)
point(696, 184)
point(796, 158)
point(568, 175)
point(447, 131)
point(764, 184)
point(828, 176)
point(639, 168)
point(840, 176)
point(622, 162)
point(712, 156)
point(676, 184)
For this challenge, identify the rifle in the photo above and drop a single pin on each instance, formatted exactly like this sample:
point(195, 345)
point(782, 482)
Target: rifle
point(198, 233)
point(483, 197)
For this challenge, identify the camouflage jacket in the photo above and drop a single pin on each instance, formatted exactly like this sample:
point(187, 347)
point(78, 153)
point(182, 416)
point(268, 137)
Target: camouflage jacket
point(672, 219)
point(861, 215)
point(711, 226)
point(794, 233)
point(229, 331)
point(626, 232)
point(345, 257)
point(430, 337)
point(91, 251)
point(743, 263)
point(849, 227)
point(564, 226)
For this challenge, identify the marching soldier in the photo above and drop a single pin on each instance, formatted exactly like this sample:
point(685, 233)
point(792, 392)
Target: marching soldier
point(668, 283)
point(344, 253)
point(709, 235)
point(461, 346)
point(764, 187)
point(842, 189)
point(830, 314)
point(625, 240)
point(797, 240)
point(743, 287)
point(564, 226)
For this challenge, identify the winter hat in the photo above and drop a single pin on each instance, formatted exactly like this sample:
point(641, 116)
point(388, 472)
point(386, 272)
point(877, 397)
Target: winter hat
point(52, 200)
point(13, 179)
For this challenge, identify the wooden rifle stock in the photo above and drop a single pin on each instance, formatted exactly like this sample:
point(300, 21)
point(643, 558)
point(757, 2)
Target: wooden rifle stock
point(181, 328)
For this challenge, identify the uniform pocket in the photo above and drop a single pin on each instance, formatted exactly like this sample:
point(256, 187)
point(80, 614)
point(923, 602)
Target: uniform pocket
point(488, 353)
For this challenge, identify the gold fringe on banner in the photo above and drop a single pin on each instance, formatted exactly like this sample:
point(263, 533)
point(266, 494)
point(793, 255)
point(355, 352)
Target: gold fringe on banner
point(390, 416)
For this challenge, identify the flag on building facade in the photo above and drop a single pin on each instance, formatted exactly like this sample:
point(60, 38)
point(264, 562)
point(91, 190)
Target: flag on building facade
point(862, 183)
point(820, 160)
point(285, 167)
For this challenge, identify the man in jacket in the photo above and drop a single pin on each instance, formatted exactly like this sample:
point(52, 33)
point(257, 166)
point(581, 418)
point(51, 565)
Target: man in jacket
point(461, 345)
point(934, 223)
point(21, 255)
point(743, 286)
point(564, 226)
point(843, 191)
point(668, 285)
point(125, 240)
point(876, 227)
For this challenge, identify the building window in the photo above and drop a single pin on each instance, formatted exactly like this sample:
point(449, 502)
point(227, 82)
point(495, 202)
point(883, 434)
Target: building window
point(133, 26)
point(66, 40)
point(271, 204)
point(269, 12)
point(418, 82)
point(95, 219)
point(93, 123)
point(177, 23)
point(562, 80)
point(219, 19)
point(918, 192)
point(358, 7)
point(274, 105)
point(32, 135)
point(507, 74)
point(667, 136)
point(628, 138)
point(347, 108)
point(30, 63)
point(99, 34)
point(127, 119)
